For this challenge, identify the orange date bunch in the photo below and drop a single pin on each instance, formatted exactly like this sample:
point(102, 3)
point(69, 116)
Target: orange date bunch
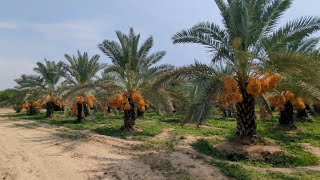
point(85, 99)
point(54, 99)
point(40, 103)
point(256, 86)
point(231, 94)
point(121, 101)
point(26, 105)
point(259, 86)
point(279, 101)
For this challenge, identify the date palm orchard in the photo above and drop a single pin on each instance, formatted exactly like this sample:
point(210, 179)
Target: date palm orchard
point(253, 53)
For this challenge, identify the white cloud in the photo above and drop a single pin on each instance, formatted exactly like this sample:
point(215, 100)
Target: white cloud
point(83, 33)
point(58, 31)
point(7, 25)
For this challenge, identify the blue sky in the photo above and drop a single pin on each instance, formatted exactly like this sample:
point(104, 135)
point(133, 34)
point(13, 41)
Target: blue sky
point(36, 29)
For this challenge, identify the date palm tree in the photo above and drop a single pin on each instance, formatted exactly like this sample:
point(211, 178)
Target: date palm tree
point(51, 72)
point(27, 91)
point(249, 39)
point(136, 75)
point(81, 70)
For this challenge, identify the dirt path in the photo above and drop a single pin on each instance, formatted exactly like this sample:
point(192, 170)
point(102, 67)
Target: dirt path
point(29, 151)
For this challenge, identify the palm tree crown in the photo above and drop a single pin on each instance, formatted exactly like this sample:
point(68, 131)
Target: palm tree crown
point(81, 69)
point(50, 72)
point(132, 65)
point(249, 33)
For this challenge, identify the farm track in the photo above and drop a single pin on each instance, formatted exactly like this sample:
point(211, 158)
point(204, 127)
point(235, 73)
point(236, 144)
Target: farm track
point(30, 151)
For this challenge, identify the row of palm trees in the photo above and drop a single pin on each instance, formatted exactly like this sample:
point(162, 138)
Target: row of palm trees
point(133, 72)
point(247, 49)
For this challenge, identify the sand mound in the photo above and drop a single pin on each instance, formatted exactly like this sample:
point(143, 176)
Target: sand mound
point(256, 149)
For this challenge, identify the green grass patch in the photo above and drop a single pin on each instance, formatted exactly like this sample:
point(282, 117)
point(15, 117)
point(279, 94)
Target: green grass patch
point(300, 158)
point(150, 126)
point(290, 142)
point(238, 172)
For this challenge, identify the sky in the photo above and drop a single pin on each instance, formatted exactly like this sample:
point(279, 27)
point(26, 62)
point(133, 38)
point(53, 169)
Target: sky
point(36, 29)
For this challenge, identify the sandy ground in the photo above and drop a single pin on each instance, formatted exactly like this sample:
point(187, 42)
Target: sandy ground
point(29, 151)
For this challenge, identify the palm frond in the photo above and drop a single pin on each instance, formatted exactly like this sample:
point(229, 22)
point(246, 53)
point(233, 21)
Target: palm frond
point(81, 68)
point(296, 30)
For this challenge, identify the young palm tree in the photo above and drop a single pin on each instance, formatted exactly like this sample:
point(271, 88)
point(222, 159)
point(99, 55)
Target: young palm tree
point(27, 91)
point(207, 82)
point(81, 70)
point(51, 72)
point(247, 40)
point(135, 73)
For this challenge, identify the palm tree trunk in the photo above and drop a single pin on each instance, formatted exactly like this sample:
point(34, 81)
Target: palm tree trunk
point(226, 112)
point(128, 121)
point(86, 110)
point(50, 109)
point(140, 114)
point(80, 115)
point(245, 116)
point(17, 108)
point(316, 109)
point(286, 116)
point(302, 114)
point(32, 110)
point(129, 117)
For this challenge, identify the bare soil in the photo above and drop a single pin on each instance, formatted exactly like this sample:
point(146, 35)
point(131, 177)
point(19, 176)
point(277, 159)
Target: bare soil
point(291, 127)
point(32, 151)
point(311, 149)
point(256, 149)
